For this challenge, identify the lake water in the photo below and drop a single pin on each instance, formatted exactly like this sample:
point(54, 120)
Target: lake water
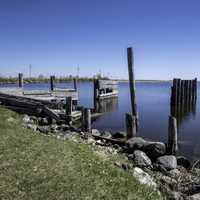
point(153, 101)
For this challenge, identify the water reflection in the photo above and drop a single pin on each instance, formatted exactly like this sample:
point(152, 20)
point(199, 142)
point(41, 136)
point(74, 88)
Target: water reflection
point(182, 112)
point(106, 105)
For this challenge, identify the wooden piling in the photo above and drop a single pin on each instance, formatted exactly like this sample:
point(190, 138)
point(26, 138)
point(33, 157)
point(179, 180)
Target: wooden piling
point(132, 84)
point(172, 136)
point(69, 107)
point(52, 78)
point(182, 95)
point(130, 126)
point(86, 120)
point(178, 91)
point(20, 80)
point(174, 95)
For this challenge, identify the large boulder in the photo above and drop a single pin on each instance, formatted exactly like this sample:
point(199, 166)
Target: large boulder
point(152, 149)
point(135, 143)
point(168, 162)
point(155, 149)
point(141, 159)
point(143, 177)
point(183, 161)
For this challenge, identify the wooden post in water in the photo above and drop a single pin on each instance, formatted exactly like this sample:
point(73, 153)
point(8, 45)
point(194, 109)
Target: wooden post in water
point(178, 91)
point(132, 85)
point(130, 126)
point(20, 80)
point(69, 108)
point(52, 78)
point(172, 136)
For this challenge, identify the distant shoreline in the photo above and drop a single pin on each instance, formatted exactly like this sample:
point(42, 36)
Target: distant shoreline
point(37, 81)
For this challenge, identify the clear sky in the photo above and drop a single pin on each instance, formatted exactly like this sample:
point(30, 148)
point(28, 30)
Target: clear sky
point(56, 36)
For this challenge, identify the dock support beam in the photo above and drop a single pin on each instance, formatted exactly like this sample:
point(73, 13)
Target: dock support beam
point(21, 80)
point(172, 136)
point(132, 86)
point(52, 78)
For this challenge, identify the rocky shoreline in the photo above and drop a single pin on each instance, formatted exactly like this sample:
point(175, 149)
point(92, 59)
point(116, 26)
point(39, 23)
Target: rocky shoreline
point(174, 176)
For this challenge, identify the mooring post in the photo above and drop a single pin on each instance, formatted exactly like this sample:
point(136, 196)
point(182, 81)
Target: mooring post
point(69, 108)
point(130, 126)
point(20, 80)
point(52, 78)
point(172, 136)
point(132, 85)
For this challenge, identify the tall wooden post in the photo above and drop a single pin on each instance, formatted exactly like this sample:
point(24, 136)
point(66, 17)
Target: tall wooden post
point(20, 80)
point(96, 92)
point(130, 126)
point(52, 78)
point(172, 136)
point(132, 84)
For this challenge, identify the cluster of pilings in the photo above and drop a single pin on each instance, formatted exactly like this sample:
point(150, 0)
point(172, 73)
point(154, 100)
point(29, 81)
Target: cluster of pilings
point(184, 92)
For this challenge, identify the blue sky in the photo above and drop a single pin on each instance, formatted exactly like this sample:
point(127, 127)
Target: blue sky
point(56, 36)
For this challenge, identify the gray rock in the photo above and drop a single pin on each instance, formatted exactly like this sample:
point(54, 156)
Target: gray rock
point(152, 149)
point(135, 143)
point(141, 159)
point(34, 119)
point(44, 122)
point(171, 182)
point(43, 129)
point(183, 161)
point(175, 196)
point(168, 162)
point(194, 197)
point(26, 119)
point(96, 132)
point(32, 127)
point(155, 149)
point(106, 134)
point(143, 177)
point(119, 134)
point(174, 173)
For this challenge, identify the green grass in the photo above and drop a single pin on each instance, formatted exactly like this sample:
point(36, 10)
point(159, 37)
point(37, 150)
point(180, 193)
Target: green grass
point(38, 167)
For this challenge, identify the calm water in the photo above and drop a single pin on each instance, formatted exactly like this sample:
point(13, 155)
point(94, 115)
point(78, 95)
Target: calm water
point(154, 108)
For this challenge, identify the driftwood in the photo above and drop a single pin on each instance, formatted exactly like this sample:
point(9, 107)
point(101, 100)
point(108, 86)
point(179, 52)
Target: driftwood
point(113, 141)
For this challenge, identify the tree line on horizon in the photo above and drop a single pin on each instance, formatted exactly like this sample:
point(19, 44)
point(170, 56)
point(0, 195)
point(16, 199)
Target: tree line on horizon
point(44, 79)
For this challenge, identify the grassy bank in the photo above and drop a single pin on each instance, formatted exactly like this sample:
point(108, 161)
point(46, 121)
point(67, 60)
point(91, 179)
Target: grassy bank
point(39, 167)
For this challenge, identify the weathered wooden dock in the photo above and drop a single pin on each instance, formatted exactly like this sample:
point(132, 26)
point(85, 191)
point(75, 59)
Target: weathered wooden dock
point(53, 102)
